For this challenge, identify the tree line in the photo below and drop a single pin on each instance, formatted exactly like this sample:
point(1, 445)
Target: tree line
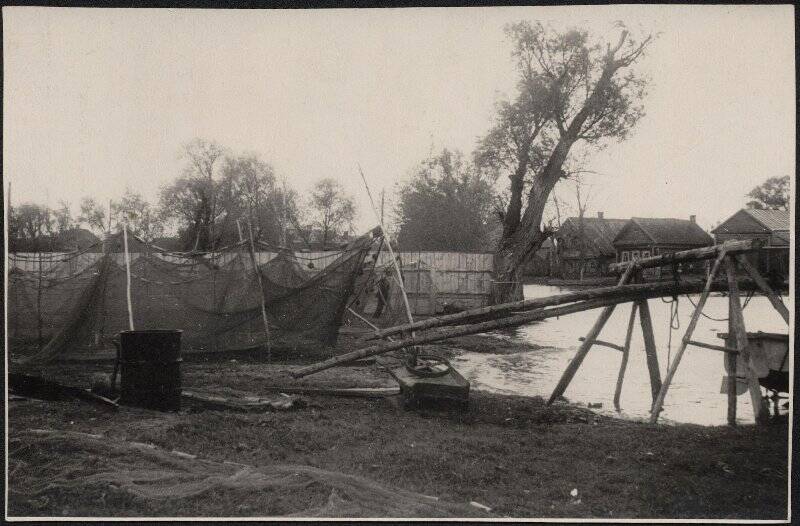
point(217, 200)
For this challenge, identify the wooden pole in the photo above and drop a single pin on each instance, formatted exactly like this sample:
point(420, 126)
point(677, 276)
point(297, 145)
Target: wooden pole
point(764, 286)
point(695, 254)
point(736, 322)
point(260, 288)
point(625, 352)
point(461, 330)
point(594, 332)
point(127, 274)
point(650, 348)
point(396, 266)
point(646, 289)
point(673, 367)
point(730, 368)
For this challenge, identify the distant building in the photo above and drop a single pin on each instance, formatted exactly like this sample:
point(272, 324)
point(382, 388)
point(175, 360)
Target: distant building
point(769, 226)
point(541, 263)
point(71, 240)
point(583, 246)
point(643, 237)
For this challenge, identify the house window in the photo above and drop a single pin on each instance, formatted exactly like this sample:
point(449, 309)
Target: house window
point(645, 253)
point(634, 254)
point(625, 256)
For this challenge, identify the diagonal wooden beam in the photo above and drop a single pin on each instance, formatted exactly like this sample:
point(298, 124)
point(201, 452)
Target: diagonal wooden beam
point(764, 286)
point(583, 350)
point(673, 367)
point(625, 352)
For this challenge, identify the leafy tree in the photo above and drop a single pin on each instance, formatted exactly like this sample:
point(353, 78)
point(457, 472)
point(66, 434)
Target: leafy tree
point(94, 216)
point(32, 227)
point(771, 194)
point(330, 211)
point(249, 191)
point(142, 218)
point(447, 205)
point(192, 200)
point(570, 92)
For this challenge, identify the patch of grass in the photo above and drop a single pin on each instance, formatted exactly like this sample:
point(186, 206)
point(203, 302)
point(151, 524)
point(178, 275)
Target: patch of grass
point(514, 454)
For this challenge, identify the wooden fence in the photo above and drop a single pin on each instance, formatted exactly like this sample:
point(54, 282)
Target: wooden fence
point(432, 279)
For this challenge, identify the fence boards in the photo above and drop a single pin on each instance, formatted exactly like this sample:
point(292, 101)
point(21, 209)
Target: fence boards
point(432, 279)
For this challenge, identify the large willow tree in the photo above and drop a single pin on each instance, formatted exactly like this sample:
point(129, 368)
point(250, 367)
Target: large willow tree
point(570, 91)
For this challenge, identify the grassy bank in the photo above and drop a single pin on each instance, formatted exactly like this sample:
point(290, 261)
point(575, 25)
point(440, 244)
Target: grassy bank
point(512, 454)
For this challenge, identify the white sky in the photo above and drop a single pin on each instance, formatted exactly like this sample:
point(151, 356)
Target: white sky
point(99, 100)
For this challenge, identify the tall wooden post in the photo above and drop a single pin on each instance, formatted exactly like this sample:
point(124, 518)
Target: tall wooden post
point(736, 323)
point(650, 348)
point(583, 350)
point(625, 352)
point(673, 367)
point(260, 288)
point(730, 368)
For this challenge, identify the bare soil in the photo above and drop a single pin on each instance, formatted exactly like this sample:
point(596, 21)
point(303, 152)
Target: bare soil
point(515, 455)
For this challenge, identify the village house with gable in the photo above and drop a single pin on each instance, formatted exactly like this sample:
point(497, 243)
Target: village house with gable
point(769, 226)
point(643, 237)
point(583, 246)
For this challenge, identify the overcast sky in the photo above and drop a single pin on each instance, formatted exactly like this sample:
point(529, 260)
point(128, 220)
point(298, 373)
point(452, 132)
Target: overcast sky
point(97, 101)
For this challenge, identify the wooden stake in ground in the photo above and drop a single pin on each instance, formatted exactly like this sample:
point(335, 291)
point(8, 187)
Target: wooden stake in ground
point(730, 368)
point(650, 348)
point(736, 324)
point(127, 274)
point(624, 363)
point(260, 288)
point(583, 350)
point(673, 367)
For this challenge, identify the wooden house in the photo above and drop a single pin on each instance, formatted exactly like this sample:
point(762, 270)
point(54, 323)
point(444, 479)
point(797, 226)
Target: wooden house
point(583, 246)
point(642, 237)
point(769, 226)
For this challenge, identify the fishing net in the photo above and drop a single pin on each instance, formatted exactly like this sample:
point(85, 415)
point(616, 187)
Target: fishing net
point(91, 467)
point(420, 289)
point(213, 298)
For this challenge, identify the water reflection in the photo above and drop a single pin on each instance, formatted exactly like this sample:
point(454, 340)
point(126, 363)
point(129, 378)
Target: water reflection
point(694, 395)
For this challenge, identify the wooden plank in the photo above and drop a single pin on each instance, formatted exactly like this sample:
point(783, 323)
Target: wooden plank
point(722, 348)
point(650, 348)
point(673, 367)
point(583, 350)
point(736, 322)
point(764, 286)
point(624, 362)
point(603, 343)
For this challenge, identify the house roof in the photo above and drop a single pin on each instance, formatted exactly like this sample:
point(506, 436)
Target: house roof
point(751, 220)
point(667, 231)
point(600, 230)
point(771, 219)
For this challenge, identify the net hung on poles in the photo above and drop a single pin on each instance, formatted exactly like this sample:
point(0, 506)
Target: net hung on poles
point(79, 303)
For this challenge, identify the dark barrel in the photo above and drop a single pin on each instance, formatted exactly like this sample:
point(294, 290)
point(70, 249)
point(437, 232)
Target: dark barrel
point(150, 369)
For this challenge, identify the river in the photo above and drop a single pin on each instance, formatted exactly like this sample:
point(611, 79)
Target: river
point(695, 393)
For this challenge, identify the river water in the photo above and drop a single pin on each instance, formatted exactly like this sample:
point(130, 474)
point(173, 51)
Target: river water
point(694, 395)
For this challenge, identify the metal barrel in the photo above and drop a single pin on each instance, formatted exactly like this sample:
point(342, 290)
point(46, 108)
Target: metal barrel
point(150, 369)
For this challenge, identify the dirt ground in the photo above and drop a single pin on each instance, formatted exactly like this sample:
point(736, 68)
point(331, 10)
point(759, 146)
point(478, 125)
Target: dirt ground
point(514, 455)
